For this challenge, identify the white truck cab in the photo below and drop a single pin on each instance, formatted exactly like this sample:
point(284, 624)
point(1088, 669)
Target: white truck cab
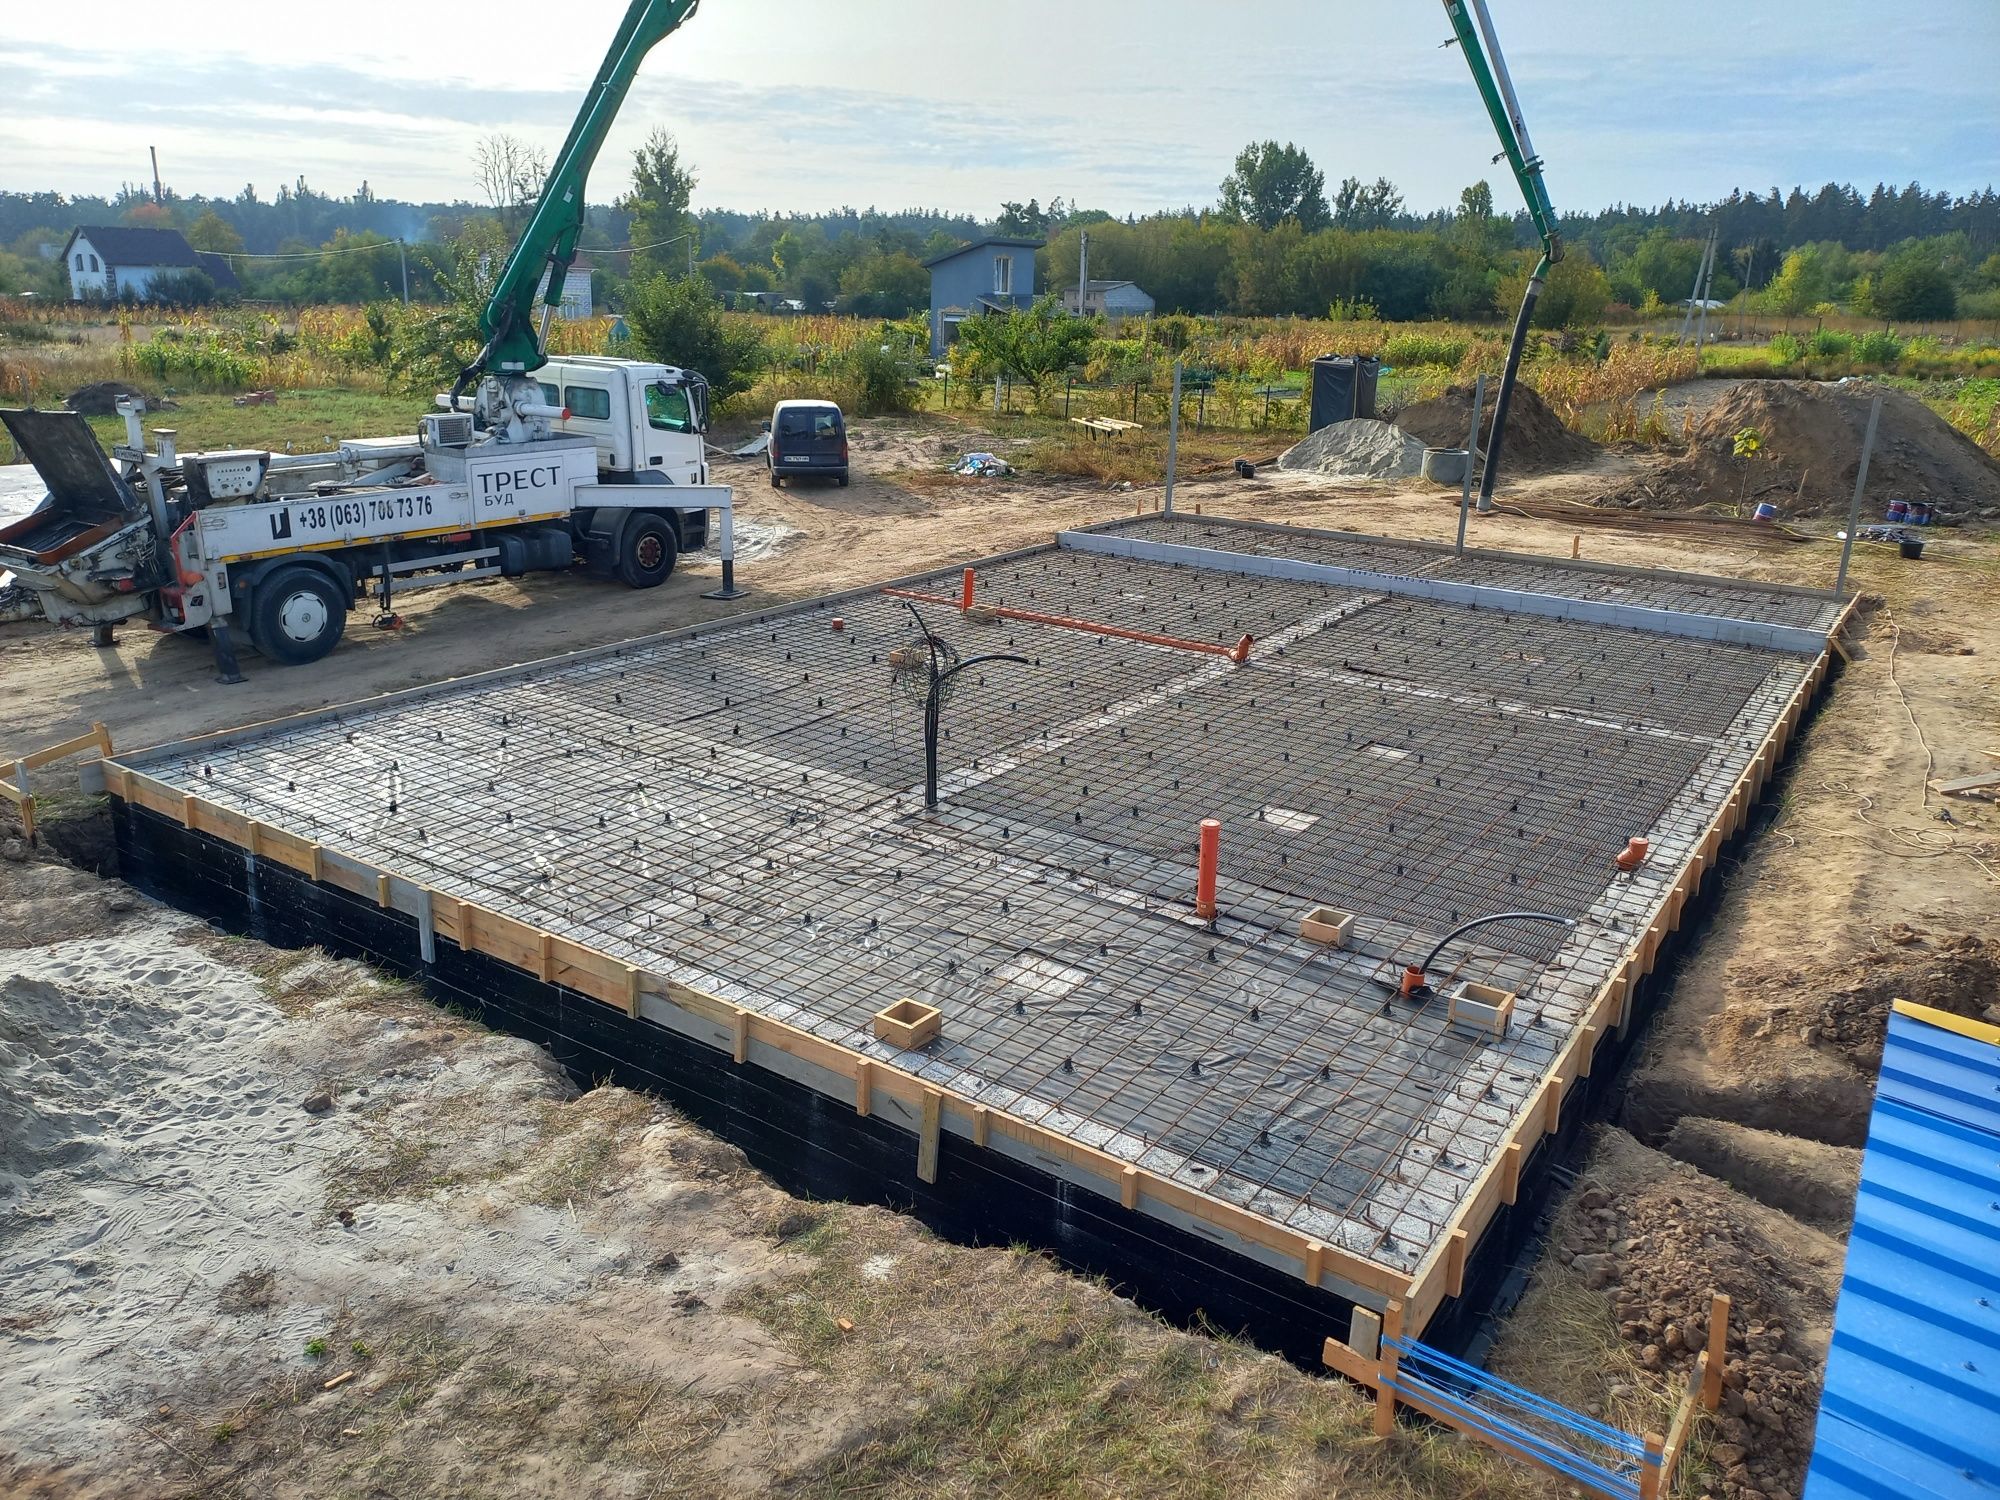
point(646, 420)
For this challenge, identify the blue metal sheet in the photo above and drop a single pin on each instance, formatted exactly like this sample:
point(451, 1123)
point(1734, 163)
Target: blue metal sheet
point(1911, 1405)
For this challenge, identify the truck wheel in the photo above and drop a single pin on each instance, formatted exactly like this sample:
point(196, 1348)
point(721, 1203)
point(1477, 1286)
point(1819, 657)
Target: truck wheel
point(647, 551)
point(298, 616)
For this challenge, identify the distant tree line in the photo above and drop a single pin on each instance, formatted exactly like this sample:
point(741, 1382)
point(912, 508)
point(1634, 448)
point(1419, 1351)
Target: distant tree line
point(1277, 240)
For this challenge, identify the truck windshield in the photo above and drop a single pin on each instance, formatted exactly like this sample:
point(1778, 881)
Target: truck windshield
point(667, 407)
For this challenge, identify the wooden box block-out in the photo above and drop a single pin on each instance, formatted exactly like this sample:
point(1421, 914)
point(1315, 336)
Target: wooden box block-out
point(1325, 925)
point(909, 1024)
point(1481, 1006)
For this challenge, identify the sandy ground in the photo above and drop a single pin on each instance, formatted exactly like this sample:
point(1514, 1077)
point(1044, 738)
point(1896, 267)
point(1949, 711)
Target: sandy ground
point(145, 1199)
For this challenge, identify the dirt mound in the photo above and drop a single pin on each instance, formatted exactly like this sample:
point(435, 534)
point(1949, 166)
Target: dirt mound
point(1810, 437)
point(100, 398)
point(1361, 448)
point(1843, 1009)
point(1656, 1238)
point(1537, 442)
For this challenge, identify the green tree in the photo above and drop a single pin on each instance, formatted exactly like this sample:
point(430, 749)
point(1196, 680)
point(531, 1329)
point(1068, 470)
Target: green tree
point(1374, 205)
point(1025, 220)
point(1272, 183)
point(884, 284)
point(1800, 283)
point(1034, 344)
point(1915, 289)
point(679, 321)
point(1575, 293)
point(658, 204)
point(213, 233)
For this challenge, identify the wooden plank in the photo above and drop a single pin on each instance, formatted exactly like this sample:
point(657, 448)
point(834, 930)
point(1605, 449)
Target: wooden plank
point(1510, 1172)
point(864, 1086)
point(740, 1035)
point(1454, 1262)
point(1717, 1351)
point(1128, 1187)
point(1385, 1398)
point(48, 755)
point(982, 1124)
point(381, 889)
point(1355, 1366)
point(1552, 1103)
point(927, 1136)
point(1650, 1465)
point(1587, 1050)
point(632, 978)
point(1315, 1261)
point(545, 957)
point(102, 736)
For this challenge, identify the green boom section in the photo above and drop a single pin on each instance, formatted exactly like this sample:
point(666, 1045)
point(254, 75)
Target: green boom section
point(513, 345)
point(1527, 171)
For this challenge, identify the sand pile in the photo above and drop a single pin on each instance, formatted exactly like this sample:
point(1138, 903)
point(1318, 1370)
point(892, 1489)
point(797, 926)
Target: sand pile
point(1537, 442)
point(1362, 448)
point(1811, 447)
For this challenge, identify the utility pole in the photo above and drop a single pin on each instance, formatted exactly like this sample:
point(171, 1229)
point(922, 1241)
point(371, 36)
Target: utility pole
point(403, 255)
point(1083, 274)
point(159, 193)
point(1707, 286)
point(1694, 296)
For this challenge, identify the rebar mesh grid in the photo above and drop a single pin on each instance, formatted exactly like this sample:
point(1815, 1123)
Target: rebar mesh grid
point(735, 808)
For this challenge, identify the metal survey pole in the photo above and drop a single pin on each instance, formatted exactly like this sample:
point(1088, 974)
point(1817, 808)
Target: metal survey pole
point(1471, 458)
point(1860, 484)
point(1173, 437)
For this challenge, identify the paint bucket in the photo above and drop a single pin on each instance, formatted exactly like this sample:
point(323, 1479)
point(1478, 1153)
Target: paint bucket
point(1899, 510)
point(1920, 513)
point(1765, 511)
point(1913, 547)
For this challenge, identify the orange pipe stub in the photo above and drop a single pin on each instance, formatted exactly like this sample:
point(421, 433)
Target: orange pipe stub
point(1632, 855)
point(965, 591)
point(1413, 980)
point(1204, 882)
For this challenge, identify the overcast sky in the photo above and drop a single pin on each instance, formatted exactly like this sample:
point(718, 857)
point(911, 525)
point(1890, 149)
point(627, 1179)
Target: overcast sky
point(1127, 105)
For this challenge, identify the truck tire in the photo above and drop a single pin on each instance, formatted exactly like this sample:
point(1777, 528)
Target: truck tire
point(647, 551)
point(297, 616)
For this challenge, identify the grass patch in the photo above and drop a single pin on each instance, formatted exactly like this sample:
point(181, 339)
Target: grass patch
point(300, 421)
point(995, 1374)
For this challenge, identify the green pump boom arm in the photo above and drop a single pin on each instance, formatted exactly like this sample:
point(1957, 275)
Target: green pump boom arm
point(513, 343)
point(1498, 94)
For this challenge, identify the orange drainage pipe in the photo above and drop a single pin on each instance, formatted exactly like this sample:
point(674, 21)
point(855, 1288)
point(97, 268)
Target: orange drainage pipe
point(1204, 880)
point(965, 591)
point(1238, 653)
point(1632, 855)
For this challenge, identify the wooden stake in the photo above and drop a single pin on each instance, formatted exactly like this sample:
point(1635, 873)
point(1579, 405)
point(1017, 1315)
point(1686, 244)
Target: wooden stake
point(982, 1124)
point(741, 1048)
point(1315, 1260)
point(545, 969)
point(1454, 1263)
point(1651, 1464)
point(864, 1086)
point(1128, 1187)
point(1510, 1172)
point(927, 1137)
point(632, 992)
point(1718, 1351)
point(1385, 1398)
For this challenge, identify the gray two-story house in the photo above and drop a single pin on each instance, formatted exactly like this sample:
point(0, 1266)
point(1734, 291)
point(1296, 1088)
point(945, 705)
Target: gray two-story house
point(989, 275)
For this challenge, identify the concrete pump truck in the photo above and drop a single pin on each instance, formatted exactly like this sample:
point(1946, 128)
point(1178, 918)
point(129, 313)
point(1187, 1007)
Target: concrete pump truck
point(531, 463)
